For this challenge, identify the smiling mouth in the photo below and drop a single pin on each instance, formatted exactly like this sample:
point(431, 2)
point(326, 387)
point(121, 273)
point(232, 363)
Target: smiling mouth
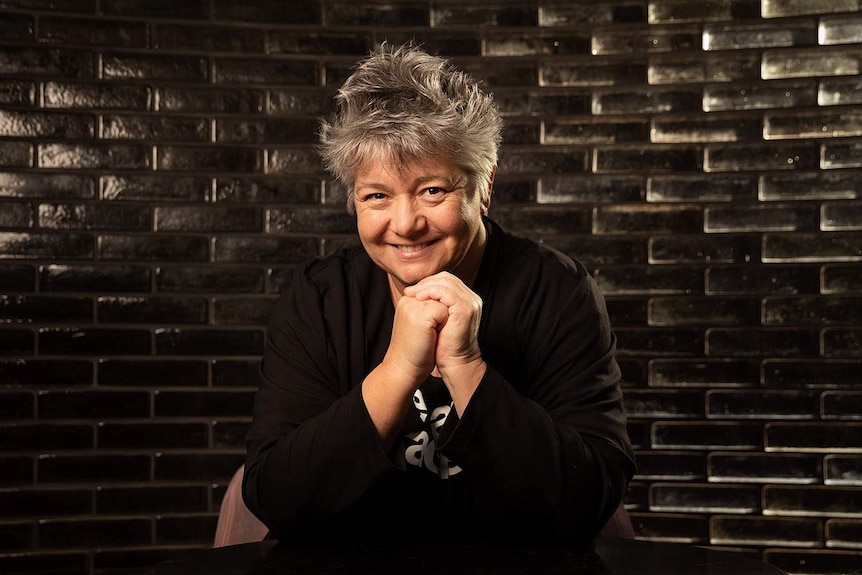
point(412, 248)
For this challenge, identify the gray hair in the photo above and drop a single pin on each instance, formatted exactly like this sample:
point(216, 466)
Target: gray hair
point(401, 104)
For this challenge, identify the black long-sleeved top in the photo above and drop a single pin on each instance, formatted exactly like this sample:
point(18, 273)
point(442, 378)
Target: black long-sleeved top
point(540, 453)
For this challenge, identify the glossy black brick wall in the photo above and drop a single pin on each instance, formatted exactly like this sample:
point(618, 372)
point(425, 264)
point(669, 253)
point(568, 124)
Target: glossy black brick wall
point(158, 181)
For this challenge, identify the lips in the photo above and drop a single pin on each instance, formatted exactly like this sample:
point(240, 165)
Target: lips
point(412, 248)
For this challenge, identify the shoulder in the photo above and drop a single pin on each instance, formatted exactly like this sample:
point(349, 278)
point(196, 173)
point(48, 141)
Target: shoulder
point(332, 271)
point(535, 261)
point(311, 284)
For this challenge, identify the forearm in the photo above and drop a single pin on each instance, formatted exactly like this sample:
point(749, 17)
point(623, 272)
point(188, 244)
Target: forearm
point(314, 471)
point(541, 469)
point(387, 393)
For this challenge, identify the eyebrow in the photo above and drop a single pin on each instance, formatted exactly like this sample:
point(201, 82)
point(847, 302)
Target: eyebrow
point(451, 180)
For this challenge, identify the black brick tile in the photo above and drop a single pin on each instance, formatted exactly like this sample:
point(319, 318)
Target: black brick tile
point(95, 404)
point(265, 71)
point(45, 372)
point(209, 38)
point(700, 188)
point(22, 185)
point(242, 311)
point(107, 278)
point(670, 527)
point(96, 96)
point(490, 14)
point(300, 12)
point(799, 373)
point(583, 189)
point(35, 308)
point(293, 161)
point(704, 498)
point(89, 341)
point(103, 467)
point(201, 158)
point(155, 435)
point(264, 250)
point(767, 531)
point(664, 404)
point(77, 31)
point(229, 434)
point(40, 503)
point(17, 536)
point(94, 156)
point(670, 465)
point(688, 372)
point(209, 342)
point(127, 66)
point(818, 561)
point(229, 373)
point(43, 436)
point(763, 468)
point(771, 405)
point(808, 437)
point(639, 280)
point(706, 435)
point(685, 12)
point(268, 190)
point(637, 101)
point(198, 466)
point(16, 154)
point(773, 279)
point(300, 42)
point(16, 405)
point(38, 61)
point(210, 279)
point(842, 469)
point(146, 309)
point(47, 125)
point(147, 128)
point(155, 188)
point(204, 404)
point(14, 341)
point(92, 532)
point(153, 248)
point(63, 563)
point(776, 342)
point(148, 372)
point(94, 217)
point(17, 92)
point(371, 14)
point(223, 100)
point(208, 219)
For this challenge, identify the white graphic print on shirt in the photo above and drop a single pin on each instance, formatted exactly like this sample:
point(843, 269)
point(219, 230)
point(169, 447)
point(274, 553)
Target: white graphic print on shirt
point(423, 450)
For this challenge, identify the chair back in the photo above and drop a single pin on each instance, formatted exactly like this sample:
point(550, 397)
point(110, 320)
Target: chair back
point(236, 524)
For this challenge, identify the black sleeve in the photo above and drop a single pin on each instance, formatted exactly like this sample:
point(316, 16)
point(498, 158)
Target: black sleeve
point(550, 445)
point(312, 449)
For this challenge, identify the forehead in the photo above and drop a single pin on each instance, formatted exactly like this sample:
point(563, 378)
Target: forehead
point(378, 171)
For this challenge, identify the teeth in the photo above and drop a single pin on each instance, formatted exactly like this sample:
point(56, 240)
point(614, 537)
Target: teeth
point(413, 248)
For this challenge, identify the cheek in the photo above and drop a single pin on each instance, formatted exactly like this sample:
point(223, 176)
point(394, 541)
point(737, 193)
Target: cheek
point(369, 226)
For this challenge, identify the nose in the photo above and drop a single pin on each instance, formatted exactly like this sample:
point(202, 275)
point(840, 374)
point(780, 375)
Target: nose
point(408, 218)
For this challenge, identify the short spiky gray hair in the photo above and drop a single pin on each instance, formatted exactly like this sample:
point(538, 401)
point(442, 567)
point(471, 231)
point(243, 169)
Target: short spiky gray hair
point(401, 105)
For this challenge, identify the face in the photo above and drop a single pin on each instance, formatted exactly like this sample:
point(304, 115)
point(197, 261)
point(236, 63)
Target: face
point(421, 219)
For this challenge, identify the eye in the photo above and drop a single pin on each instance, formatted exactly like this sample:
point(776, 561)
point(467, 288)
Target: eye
point(374, 197)
point(434, 191)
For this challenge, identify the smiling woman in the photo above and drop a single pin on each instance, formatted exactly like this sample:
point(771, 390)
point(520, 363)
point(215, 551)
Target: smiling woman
point(441, 378)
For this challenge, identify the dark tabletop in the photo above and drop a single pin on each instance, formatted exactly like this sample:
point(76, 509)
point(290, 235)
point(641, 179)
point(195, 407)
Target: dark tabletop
point(606, 557)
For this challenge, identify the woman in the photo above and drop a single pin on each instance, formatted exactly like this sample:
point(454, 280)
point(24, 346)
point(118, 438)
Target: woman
point(441, 380)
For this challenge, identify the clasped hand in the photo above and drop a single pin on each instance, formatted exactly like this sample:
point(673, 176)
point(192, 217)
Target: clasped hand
point(436, 328)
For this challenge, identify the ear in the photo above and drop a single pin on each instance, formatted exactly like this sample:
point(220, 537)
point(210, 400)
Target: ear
point(486, 198)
